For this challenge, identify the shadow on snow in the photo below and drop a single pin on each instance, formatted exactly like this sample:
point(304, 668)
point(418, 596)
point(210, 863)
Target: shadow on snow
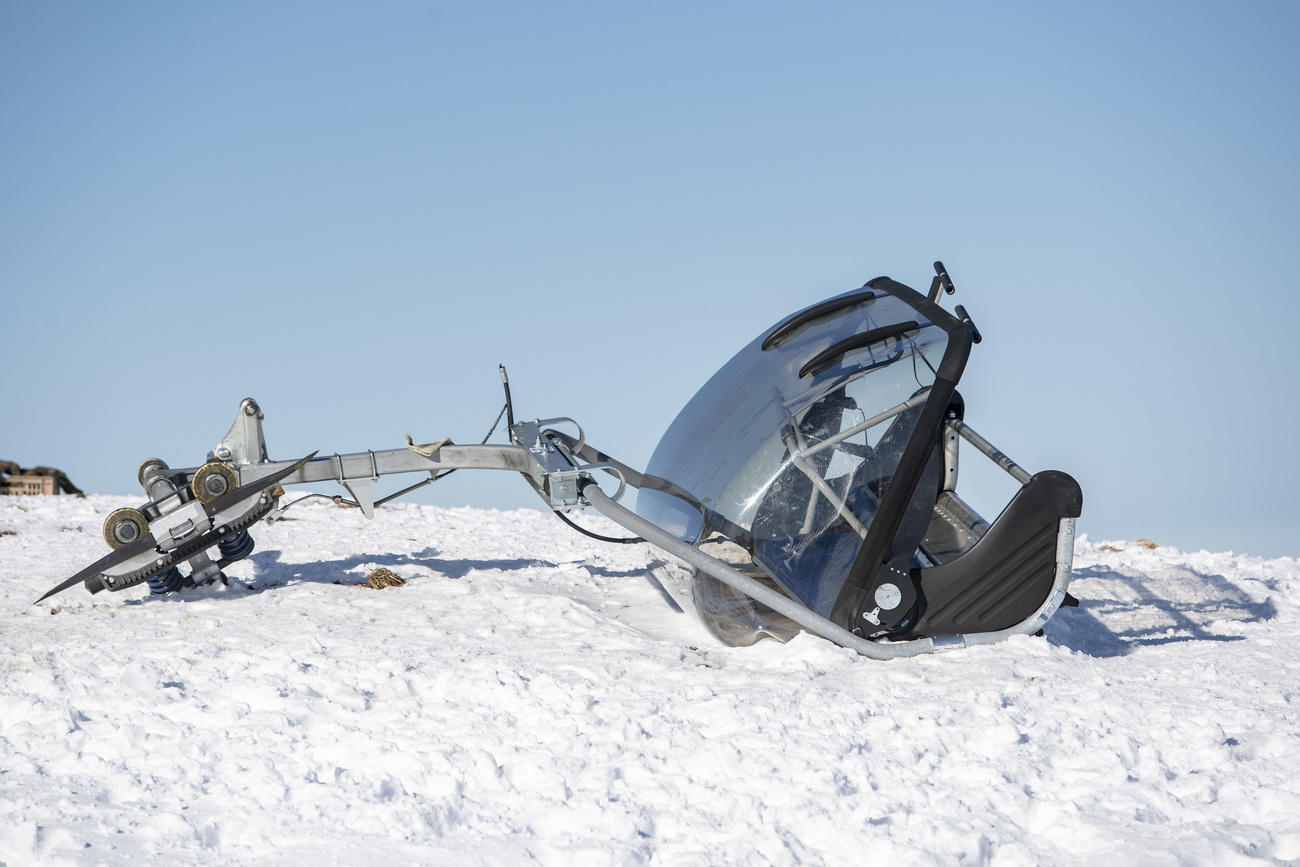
point(1118, 614)
point(271, 572)
point(1127, 614)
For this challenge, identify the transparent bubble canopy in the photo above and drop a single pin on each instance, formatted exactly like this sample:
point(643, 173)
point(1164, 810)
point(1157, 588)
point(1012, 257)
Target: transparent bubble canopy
point(780, 461)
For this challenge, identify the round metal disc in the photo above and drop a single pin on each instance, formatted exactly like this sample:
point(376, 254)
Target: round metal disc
point(888, 596)
point(148, 466)
point(124, 526)
point(212, 480)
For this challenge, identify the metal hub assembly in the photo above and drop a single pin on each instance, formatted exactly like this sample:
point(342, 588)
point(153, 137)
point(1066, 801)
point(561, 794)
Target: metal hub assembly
point(212, 480)
point(124, 526)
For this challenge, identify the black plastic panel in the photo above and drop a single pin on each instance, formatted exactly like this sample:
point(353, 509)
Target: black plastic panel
point(1008, 574)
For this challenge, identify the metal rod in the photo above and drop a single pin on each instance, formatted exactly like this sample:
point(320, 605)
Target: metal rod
point(810, 512)
point(778, 602)
point(826, 491)
point(915, 400)
point(820, 485)
point(406, 490)
point(1014, 469)
point(819, 625)
point(368, 464)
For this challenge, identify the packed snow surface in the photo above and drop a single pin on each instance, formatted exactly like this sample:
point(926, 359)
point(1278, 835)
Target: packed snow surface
point(530, 696)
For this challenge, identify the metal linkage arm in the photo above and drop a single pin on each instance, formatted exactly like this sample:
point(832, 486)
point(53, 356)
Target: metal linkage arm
point(993, 453)
point(778, 602)
point(373, 464)
point(244, 447)
point(357, 471)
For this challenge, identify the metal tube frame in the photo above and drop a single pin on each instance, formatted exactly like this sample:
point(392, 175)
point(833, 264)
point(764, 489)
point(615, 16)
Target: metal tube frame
point(552, 458)
point(994, 454)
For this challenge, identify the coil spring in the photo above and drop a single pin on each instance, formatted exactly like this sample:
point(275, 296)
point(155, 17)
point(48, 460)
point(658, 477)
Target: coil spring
point(236, 547)
point(166, 582)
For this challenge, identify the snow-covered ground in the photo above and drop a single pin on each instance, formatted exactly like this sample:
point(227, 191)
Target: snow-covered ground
point(530, 696)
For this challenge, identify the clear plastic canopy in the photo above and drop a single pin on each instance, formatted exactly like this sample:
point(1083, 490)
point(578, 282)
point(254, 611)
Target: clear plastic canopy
point(786, 451)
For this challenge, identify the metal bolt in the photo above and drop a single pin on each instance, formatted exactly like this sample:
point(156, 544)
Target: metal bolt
point(223, 452)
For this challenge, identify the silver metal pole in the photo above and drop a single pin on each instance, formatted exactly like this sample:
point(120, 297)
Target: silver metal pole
point(869, 423)
point(1016, 471)
point(814, 623)
point(371, 464)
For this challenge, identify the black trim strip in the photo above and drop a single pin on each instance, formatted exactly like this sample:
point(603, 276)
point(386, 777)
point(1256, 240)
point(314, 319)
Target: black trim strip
point(835, 352)
point(877, 548)
point(796, 323)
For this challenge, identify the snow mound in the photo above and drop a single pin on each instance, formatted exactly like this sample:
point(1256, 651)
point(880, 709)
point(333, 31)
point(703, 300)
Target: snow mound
point(532, 696)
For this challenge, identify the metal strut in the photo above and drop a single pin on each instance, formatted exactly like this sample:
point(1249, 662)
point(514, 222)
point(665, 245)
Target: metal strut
point(819, 625)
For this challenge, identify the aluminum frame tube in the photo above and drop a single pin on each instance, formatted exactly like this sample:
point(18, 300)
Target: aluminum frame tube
point(858, 428)
point(991, 451)
point(373, 464)
point(778, 602)
point(819, 625)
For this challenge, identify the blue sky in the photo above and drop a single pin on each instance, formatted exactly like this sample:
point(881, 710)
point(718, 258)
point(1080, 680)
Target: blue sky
point(353, 212)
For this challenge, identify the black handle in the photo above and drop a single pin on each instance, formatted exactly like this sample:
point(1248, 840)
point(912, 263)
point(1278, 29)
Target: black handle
point(790, 327)
point(941, 280)
point(975, 336)
point(835, 352)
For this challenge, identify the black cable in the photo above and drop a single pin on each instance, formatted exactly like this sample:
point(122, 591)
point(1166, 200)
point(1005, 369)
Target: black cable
point(631, 540)
point(494, 425)
point(510, 409)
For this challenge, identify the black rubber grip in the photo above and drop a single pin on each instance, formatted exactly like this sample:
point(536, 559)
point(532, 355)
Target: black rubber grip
point(835, 352)
point(792, 326)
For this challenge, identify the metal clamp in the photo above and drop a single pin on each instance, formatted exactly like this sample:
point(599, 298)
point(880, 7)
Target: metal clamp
point(582, 436)
point(343, 479)
point(613, 470)
point(360, 487)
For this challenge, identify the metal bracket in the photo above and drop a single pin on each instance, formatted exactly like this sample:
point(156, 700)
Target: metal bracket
point(244, 442)
point(950, 456)
point(361, 488)
point(564, 490)
point(562, 475)
point(363, 491)
point(543, 424)
point(203, 570)
point(180, 524)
